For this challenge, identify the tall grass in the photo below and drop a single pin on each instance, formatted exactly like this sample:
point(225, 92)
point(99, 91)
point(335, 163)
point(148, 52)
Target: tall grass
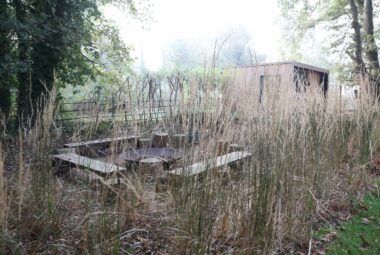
point(307, 151)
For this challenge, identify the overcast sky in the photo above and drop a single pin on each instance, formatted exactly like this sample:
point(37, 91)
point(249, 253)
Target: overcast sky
point(197, 20)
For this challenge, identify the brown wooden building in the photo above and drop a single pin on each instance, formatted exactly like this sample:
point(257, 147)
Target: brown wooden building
point(288, 74)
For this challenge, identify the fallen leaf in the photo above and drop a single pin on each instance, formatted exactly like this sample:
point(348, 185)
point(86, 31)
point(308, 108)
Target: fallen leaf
point(329, 236)
point(365, 221)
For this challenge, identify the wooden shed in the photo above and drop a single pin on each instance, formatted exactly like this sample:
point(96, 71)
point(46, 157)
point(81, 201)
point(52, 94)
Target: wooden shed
point(287, 74)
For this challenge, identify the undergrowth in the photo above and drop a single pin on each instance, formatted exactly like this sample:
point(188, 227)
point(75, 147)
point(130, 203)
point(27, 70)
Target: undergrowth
point(361, 235)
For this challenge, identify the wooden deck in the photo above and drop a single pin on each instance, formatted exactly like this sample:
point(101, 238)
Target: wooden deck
point(97, 166)
point(104, 141)
point(220, 161)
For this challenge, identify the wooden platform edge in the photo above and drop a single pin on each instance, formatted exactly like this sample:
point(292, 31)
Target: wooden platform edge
point(100, 141)
point(217, 162)
point(74, 159)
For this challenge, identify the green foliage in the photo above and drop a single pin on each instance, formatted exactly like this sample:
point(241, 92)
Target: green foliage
point(329, 21)
point(48, 39)
point(361, 235)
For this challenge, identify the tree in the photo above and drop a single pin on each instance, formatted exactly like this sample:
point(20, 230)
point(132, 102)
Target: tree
point(232, 48)
point(22, 62)
point(5, 54)
point(45, 39)
point(371, 48)
point(113, 67)
point(349, 22)
point(237, 49)
point(357, 38)
point(49, 33)
point(183, 54)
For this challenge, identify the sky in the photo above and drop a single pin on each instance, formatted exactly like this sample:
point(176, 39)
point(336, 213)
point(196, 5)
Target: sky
point(197, 20)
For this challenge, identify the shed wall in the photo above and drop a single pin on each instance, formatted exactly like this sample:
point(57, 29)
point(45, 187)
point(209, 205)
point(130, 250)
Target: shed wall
point(255, 80)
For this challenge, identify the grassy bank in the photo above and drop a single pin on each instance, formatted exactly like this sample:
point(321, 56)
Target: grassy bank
point(361, 235)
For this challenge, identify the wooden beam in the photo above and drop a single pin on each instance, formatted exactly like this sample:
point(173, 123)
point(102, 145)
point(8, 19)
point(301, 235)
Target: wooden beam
point(104, 141)
point(220, 161)
point(88, 163)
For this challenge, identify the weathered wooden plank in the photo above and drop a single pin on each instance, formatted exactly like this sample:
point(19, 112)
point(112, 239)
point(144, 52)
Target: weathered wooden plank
point(101, 141)
point(211, 164)
point(92, 164)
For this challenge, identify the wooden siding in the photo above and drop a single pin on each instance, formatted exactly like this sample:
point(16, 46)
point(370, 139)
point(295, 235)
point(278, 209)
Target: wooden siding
point(254, 80)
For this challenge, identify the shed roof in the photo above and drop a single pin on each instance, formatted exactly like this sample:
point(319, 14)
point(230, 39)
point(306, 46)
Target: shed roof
point(294, 63)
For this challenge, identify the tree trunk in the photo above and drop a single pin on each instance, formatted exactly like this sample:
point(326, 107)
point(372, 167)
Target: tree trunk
point(5, 81)
point(370, 48)
point(358, 52)
point(47, 52)
point(23, 99)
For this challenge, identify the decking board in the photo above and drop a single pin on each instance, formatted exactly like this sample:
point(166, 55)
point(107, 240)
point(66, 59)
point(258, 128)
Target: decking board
point(211, 164)
point(100, 141)
point(92, 164)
